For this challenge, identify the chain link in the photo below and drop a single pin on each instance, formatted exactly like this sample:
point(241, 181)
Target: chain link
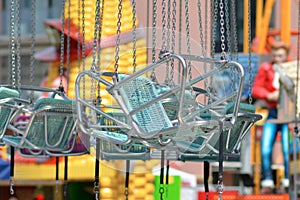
point(134, 33)
point(188, 42)
point(12, 43)
point(220, 189)
point(214, 4)
point(164, 28)
point(99, 99)
point(33, 35)
point(68, 39)
point(234, 29)
point(96, 190)
point(83, 43)
point(249, 53)
point(62, 44)
point(166, 36)
point(205, 25)
point(228, 35)
point(78, 35)
point(201, 28)
point(154, 20)
point(161, 191)
point(119, 23)
point(83, 33)
point(100, 33)
point(18, 50)
point(222, 29)
point(126, 193)
point(11, 186)
point(94, 67)
point(180, 35)
point(169, 25)
point(173, 38)
point(201, 40)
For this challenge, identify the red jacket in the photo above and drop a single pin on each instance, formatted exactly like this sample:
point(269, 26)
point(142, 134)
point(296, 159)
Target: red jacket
point(263, 84)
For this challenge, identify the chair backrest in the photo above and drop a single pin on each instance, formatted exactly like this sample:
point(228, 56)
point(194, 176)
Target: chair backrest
point(244, 121)
point(52, 124)
point(5, 112)
point(136, 93)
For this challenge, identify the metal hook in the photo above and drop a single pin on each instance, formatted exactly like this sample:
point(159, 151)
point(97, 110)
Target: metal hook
point(11, 186)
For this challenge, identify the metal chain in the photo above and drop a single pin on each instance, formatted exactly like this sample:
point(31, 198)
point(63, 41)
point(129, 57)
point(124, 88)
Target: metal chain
point(12, 43)
point(214, 27)
point(180, 36)
point(234, 30)
point(164, 37)
point(168, 25)
point(201, 28)
point(134, 33)
point(78, 35)
point(222, 29)
point(228, 35)
point(173, 38)
point(11, 186)
point(94, 67)
point(167, 79)
point(154, 20)
point(18, 50)
point(126, 193)
point(229, 40)
point(62, 45)
point(249, 53)
point(96, 190)
point(99, 99)
point(206, 44)
point(100, 33)
point(119, 23)
point(33, 35)
point(188, 42)
point(68, 38)
point(205, 24)
point(147, 31)
point(83, 34)
point(96, 33)
point(83, 43)
point(220, 188)
point(201, 40)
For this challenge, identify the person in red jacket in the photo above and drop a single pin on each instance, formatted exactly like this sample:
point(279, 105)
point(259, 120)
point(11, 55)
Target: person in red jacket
point(266, 88)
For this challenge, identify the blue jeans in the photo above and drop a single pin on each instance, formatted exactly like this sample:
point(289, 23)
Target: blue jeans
point(269, 134)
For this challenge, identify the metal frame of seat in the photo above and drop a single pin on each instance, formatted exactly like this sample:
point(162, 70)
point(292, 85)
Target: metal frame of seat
point(10, 105)
point(51, 126)
point(237, 117)
point(164, 130)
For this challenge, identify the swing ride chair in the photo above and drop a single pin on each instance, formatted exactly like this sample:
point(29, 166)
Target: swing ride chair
point(21, 118)
point(146, 120)
point(237, 118)
point(50, 127)
point(10, 104)
point(78, 144)
point(110, 128)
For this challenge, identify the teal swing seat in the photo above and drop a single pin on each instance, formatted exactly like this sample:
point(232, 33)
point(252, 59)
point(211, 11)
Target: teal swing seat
point(232, 137)
point(112, 151)
point(51, 126)
point(9, 99)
